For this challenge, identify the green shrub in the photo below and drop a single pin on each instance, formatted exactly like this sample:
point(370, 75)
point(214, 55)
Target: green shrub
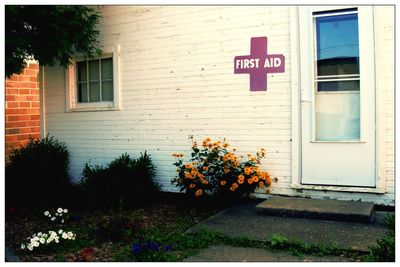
point(385, 250)
point(124, 182)
point(37, 174)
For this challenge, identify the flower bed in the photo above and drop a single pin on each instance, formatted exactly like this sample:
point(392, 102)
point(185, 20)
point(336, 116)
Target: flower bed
point(214, 169)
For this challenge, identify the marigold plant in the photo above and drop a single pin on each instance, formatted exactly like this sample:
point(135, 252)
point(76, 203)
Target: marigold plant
point(216, 169)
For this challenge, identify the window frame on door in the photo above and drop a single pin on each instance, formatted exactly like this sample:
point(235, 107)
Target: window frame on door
point(307, 59)
point(72, 103)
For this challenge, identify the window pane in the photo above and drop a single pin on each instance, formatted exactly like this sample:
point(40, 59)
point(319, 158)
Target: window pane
point(337, 117)
point(94, 92)
point(107, 91)
point(94, 70)
point(337, 45)
point(82, 93)
point(82, 71)
point(106, 69)
point(339, 86)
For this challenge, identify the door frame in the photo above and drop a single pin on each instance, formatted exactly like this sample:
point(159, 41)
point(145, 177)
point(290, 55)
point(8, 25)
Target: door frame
point(295, 14)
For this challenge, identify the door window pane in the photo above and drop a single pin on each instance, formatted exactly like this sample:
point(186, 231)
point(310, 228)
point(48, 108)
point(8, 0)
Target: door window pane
point(338, 86)
point(337, 117)
point(337, 45)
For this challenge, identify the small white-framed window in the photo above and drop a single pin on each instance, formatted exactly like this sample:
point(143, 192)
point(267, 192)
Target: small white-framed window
point(93, 84)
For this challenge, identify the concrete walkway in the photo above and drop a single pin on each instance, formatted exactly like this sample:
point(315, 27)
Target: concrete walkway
point(243, 221)
point(222, 253)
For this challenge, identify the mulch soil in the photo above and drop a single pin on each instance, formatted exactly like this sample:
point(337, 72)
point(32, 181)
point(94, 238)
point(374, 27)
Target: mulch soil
point(166, 215)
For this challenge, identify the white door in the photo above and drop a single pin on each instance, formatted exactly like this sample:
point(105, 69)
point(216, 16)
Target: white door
point(338, 96)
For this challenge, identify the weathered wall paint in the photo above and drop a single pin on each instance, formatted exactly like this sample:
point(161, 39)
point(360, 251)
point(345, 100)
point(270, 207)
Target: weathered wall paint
point(176, 81)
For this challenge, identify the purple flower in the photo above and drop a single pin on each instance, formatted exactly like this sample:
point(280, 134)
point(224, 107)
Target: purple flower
point(167, 248)
point(136, 248)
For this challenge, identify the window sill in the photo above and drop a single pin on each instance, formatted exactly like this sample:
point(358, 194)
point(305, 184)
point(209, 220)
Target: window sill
point(339, 188)
point(108, 106)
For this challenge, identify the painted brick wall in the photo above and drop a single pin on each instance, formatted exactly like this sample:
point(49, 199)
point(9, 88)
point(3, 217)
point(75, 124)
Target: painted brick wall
point(22, 108)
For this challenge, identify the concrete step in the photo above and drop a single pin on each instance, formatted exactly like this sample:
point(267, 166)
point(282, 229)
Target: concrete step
point(322, 209)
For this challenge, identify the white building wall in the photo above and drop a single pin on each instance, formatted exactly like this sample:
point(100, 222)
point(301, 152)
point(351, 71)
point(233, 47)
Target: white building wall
point(176, 80)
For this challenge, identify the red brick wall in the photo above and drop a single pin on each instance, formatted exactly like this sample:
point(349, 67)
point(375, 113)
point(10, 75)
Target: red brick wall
point(22, 108)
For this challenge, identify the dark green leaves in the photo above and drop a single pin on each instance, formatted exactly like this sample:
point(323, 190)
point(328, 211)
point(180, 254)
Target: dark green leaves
point(49, 34)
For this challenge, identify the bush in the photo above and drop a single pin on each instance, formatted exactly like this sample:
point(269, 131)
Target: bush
point(214, 171)
point(124, 182)
point(385, 250)
point(37, 174)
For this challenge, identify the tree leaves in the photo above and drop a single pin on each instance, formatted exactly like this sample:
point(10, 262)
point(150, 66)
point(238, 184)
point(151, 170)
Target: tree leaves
point(49, 34)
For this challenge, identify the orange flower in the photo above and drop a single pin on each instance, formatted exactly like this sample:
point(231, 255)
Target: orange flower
point(226, 170)
point(204, 181)
point(261, 184)
point(240, 181)
point(268, 180)
point(223, 182)
point(250, 181)
point(247, 170)
point(232, 189)
point(191, 186)
point(199, 192)
point(205, 168)
point(194, 172)
point(235, 185)
point(226, 145)
point(188, 175)
point(188, 166)
point(255, 178)
point(241, 177)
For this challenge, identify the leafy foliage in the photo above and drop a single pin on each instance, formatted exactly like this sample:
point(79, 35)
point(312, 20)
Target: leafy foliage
point(385, 250)
point(124, 182)
point(49, 34)
point(37, 174)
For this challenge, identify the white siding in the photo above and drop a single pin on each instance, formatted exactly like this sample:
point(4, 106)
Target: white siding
point(176, 79)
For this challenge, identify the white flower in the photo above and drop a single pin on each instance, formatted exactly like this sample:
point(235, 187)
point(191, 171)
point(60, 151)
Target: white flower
point(39, 234)
point(65, 210)
point(62, 221)
point(53, 219)
point(30, 247)
point(65, 235)
point(46, 213)
point(59, 210)
point(36, 244)
point(42, 240)
point(49, 215)
point(22, 246)
point(60, 232)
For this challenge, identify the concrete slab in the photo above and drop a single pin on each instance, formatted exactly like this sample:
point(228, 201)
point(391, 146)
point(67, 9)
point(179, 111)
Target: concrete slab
point(223, 253)
point(243, 221)
point(323, 209)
